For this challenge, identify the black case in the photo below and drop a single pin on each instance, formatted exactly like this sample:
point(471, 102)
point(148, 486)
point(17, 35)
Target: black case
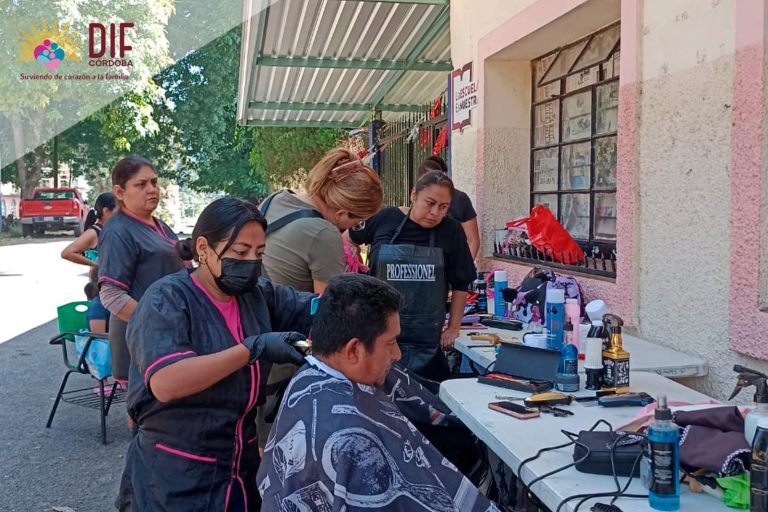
point(598, 444)
point(519, 361)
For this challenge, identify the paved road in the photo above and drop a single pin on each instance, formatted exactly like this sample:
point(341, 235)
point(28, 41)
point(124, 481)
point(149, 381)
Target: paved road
point(63, 468)
point(33, 281)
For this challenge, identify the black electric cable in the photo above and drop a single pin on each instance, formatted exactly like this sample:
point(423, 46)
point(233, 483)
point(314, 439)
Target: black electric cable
point(620, 492)
point(634, 464)
point(538, 454)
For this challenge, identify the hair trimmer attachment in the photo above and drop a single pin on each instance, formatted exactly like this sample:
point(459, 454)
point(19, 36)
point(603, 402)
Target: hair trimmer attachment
point(303, 346)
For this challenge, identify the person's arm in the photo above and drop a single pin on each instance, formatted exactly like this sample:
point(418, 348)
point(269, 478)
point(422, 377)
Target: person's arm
point(195, 374)
point(289, 310)
point(126, 311)
point(117, 301)
point(97, 325)
point(319, 286)
point(118, 256)
point(460, 270)
point(473, 236)
point(451, 331)
point(74, 251)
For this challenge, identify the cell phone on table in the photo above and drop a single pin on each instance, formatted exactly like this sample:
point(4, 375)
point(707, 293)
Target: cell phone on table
point(515, 410)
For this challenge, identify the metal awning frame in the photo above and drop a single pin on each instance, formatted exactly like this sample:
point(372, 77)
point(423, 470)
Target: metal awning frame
point(398, 68)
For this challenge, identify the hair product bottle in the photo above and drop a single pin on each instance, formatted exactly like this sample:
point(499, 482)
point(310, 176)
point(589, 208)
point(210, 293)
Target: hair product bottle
point(663, 437)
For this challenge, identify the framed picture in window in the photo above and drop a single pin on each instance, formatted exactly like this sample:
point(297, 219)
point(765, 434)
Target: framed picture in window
point(575, 161)
point(577, 116)
point(607, 108)
point(545, 170)
point(546, 121)
point(574, 215)
point(582, 79)
point(605, 216)
point(605, 162)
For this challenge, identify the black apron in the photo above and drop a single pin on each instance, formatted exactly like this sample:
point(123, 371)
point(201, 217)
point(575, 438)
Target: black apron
point(419, 274)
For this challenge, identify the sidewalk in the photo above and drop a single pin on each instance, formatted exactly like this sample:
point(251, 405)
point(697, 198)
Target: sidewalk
point(65, 467)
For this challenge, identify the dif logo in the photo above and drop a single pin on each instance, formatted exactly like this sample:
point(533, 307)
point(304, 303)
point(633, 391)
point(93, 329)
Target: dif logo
point(107, 44)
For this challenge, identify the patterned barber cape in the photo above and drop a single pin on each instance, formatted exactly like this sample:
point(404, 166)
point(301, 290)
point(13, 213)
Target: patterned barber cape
point(341, 446)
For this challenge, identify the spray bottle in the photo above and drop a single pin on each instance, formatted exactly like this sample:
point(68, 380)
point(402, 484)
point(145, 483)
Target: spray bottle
point(749, 377)
point(567, 377)
point(615, 358)
point(555, 315)
point(663, 437)
point(499, 283)
point(758, 473)
point(480, 286)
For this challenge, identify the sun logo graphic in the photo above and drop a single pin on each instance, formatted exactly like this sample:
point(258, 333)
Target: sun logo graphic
point(49, 46)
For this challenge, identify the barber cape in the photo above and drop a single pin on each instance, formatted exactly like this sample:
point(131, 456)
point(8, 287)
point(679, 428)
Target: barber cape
point(338, 445)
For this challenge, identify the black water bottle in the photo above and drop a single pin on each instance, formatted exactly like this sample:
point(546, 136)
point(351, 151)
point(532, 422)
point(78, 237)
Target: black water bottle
point(482, 294)
point(758, 474)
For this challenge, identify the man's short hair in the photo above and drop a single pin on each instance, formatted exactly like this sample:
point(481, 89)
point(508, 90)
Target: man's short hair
point(353, 306)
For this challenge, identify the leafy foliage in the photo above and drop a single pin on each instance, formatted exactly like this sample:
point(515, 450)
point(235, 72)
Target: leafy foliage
point(184, 120)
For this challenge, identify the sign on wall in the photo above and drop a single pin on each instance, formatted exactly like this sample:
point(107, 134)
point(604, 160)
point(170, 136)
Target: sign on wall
point(464, 97)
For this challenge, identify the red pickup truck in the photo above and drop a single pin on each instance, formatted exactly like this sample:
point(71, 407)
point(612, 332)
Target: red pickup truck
point(54, 209)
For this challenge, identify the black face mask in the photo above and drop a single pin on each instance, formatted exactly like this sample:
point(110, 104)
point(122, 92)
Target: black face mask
point(238, 277)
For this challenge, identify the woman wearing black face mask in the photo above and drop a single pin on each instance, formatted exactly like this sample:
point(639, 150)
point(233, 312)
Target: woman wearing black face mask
point(201, 346)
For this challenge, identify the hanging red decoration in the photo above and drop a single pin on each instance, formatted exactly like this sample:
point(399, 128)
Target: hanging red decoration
point(442, 141)
point(425, 133)
point(436, 107)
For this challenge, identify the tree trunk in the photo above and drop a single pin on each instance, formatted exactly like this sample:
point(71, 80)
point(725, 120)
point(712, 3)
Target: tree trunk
point(20, 151)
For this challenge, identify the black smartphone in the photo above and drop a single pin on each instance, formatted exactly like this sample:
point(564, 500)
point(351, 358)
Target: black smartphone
point(515, 410)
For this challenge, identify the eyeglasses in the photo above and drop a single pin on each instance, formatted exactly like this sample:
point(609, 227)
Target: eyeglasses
point(359, 226)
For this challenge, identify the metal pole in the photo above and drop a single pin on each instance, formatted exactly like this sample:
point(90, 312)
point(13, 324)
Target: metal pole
point(56, 161)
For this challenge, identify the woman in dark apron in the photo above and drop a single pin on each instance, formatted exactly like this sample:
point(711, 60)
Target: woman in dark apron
point(201, 346)
point(423, 253)
point(135, 250)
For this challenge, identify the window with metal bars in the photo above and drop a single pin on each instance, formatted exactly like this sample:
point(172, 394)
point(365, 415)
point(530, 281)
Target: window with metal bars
point(574, 117)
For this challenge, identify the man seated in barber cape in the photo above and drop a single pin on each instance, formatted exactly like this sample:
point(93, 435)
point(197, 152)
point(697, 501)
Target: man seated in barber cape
point(341, 440)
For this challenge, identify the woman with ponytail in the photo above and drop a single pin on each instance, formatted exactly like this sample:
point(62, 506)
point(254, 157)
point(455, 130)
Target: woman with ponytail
point(304, 243)
point(305, 246)
point(201, 345)
point(82, 250)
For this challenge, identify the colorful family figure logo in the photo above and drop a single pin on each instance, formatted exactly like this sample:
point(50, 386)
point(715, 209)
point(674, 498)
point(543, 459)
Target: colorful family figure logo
point(49, 54)
point(49, 44)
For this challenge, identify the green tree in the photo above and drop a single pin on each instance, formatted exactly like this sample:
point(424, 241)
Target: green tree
point(218, 155)
point(184, 120)
point(33, 111)
point(280, 156)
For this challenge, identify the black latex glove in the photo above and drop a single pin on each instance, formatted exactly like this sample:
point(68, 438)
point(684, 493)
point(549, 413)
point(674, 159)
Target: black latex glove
point(275, 347)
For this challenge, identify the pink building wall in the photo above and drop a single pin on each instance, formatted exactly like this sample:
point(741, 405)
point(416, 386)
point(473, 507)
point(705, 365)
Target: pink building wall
point(746, 324)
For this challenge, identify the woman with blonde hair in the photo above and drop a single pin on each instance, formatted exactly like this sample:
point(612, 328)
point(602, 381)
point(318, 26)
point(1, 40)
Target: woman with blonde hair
point(304, 243)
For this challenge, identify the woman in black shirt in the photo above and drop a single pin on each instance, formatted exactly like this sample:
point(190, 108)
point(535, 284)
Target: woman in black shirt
point(423, 253)
point(461, 207)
